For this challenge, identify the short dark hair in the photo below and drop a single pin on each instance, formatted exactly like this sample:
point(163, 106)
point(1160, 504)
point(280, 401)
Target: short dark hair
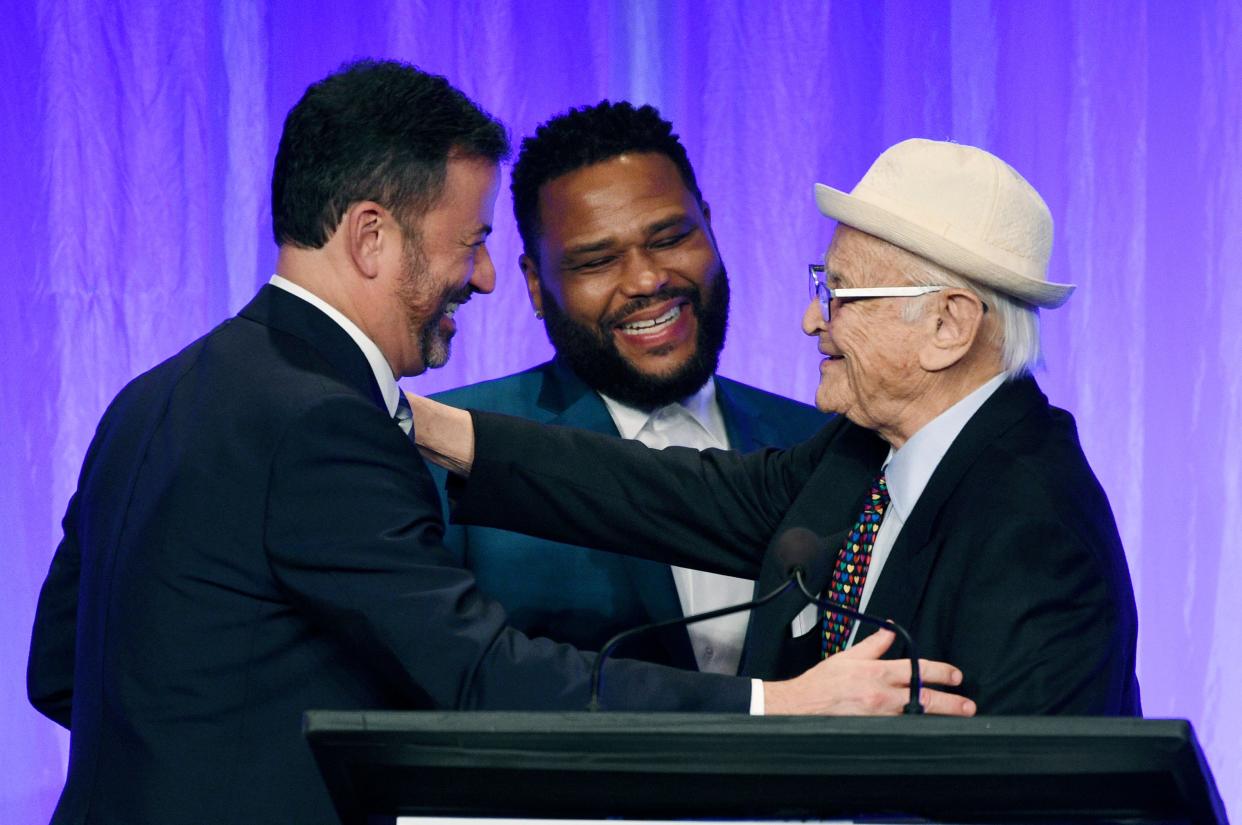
point(582, 137)
point(374, 130)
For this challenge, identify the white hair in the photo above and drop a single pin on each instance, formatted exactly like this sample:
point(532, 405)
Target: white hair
point(1016, 331)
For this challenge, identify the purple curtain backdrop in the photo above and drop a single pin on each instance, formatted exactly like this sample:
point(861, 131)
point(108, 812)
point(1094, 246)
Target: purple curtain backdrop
point(138, 138)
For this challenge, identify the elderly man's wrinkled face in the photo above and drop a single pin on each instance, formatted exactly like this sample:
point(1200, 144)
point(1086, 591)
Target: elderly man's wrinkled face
point(871, 373)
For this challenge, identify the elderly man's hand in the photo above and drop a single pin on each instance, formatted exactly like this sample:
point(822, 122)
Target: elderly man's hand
point(857, 682)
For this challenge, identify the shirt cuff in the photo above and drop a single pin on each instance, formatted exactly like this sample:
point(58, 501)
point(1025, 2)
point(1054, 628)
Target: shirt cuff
point(756, 697)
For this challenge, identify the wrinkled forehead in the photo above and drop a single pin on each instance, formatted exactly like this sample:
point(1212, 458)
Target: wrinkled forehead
point(856, 259)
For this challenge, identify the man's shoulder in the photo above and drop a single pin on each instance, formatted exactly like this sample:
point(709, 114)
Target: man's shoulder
point(766, 397)
point(1033, 464)
point(239, 369)
point(161, 377)
point(511, 394)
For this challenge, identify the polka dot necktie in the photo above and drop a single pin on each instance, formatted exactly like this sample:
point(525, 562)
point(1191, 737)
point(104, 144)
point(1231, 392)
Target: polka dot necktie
point(850, 572)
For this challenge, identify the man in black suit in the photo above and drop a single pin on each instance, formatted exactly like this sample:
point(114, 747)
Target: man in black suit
point(957, 501)
point(253, 534)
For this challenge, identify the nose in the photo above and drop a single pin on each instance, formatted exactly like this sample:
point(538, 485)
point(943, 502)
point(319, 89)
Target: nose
point(483, 279)
point(641, 275)
point(813, 322)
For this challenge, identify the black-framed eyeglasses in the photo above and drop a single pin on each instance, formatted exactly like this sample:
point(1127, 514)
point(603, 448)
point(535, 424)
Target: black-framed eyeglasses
point(820, 291)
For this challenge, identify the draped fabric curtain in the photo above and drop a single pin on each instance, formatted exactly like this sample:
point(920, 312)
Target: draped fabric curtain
point(137, 140)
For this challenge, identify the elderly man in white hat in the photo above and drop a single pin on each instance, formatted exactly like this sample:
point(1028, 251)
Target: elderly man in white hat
point(955, 499)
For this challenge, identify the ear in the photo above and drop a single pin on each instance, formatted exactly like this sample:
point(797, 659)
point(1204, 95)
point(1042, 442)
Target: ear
point(368, 228)
point(706, 209)
point(956, 321)
point(530, 270)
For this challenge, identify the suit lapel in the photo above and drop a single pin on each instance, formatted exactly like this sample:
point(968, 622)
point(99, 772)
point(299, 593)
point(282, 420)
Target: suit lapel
point(900, 587)
point(569, 401)
point(283, 311)
point(745, 425)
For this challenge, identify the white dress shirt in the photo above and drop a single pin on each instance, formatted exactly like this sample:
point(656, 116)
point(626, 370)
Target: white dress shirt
point(384, 376)
point(695, 422)
point(907, 471)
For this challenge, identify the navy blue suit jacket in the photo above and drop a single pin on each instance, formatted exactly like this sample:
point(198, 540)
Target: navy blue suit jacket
point(580, 597)
point(252, 536)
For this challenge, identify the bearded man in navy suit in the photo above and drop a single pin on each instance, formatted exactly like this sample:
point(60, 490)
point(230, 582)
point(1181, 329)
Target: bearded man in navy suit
point(622, 266)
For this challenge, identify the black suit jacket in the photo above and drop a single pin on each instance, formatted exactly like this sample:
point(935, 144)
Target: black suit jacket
point(252, 536)
point(1009, 565)
point(583, 598)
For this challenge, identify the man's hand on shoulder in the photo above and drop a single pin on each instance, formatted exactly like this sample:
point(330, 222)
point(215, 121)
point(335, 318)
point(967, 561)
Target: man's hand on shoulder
point(857, 682)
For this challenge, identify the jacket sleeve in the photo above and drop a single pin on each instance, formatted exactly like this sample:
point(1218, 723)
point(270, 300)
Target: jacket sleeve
point(456, 537)
point(53, 639)
point(1042, 627)
point(354, 536)
point(49, 670)
point(715, 509)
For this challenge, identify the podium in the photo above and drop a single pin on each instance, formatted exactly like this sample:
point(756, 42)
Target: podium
point(379, 765)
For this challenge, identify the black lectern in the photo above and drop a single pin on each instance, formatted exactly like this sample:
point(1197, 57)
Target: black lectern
point(667, 766)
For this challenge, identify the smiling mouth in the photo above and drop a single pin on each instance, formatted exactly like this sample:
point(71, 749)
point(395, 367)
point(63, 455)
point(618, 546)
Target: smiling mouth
point(455, 304)
point(653, 326)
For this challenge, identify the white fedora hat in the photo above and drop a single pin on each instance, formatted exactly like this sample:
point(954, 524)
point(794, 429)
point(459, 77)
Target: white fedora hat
point(960, 207)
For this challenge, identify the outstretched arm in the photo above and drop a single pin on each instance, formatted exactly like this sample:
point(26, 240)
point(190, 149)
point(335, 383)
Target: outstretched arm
point(714, 510)
point(444, 434)
point(855, 682)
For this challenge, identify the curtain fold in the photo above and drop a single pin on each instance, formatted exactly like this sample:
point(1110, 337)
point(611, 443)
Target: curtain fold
point(140, 137)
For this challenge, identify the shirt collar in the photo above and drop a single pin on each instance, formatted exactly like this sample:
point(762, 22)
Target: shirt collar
point(701, 406)
point(384, 377)
point(908, 470)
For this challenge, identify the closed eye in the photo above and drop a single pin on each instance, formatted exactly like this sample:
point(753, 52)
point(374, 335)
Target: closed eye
point(670, 241)
point(594, 263)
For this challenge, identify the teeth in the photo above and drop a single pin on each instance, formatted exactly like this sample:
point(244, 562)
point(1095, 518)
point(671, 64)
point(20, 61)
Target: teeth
point(449, 310)
point(648, 327)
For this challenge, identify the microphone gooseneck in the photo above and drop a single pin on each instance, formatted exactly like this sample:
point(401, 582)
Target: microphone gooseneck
point(912, 707)
point(794, 548)
point(802, 555)
point(611, 645)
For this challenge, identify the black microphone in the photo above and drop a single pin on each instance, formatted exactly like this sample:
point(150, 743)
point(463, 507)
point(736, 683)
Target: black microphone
point(789, 545)
point(804, 555)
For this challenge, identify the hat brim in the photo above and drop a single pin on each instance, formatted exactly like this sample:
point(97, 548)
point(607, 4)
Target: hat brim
point(997, 268)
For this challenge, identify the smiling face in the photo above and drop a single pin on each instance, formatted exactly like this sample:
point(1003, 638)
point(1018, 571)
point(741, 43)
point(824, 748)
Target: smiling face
point(444, 261)
point(872, 373)
point(629, 280)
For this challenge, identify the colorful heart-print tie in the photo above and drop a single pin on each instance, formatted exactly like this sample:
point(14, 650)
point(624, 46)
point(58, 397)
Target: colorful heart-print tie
point(850, 572)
